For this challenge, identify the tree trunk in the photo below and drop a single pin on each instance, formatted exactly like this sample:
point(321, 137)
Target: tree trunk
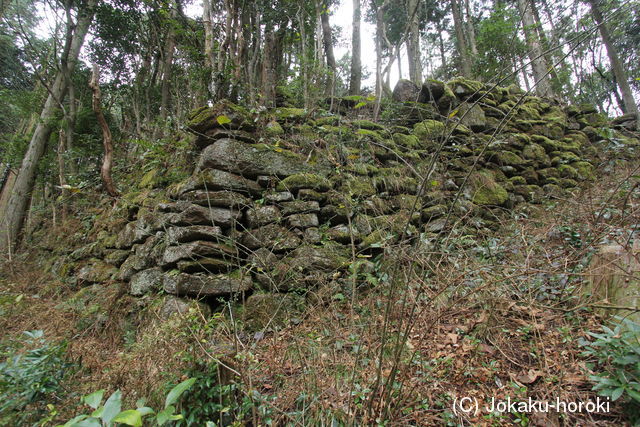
point(208, 43)
point(327, 40)
point(356, 61)
point(471, 30)
point(107, 161)
point(16, 208)
point(465, 61)
point(538, 62)
point(379, 11)
point(413, 43)
point(630, 105)
point(269, 70)
point(62, 141)
point(166, 68)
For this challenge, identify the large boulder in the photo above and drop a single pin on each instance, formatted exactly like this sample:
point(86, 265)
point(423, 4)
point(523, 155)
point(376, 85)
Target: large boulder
point(406, 91)
point(251, 160)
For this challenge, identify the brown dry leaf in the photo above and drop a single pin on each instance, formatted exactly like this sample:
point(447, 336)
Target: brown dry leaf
point(452, 338)
point(485, 348)
point(529, 377)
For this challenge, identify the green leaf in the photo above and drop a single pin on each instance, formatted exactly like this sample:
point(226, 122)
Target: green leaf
point(73, 421)
point(93, 399)
point(130, 418)
point(89, 422)
point(163, 416)
point(112, 407)
point(145, 410)
point(615, 395)
point(223, 120)
point(360, 105)
point(177, 391)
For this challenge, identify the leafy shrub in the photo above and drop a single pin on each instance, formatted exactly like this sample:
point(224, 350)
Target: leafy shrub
point(111, 412)
point(33, 369)
point(211, 402)
point(617, 355)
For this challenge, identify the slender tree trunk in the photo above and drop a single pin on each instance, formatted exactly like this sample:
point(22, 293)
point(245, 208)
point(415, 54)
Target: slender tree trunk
point(268, 69)
point(208, 43)
point(167, 64)
point(17, 206)
point(470, 29)
point(107, 161)
point(71, 126)
point(413, 43)
point(379, 10)
point(465, 61)
point(62, 141)
point(356, 61)
point(327, 40)
point(538, 62)
point(443, 56)
point(630, 105)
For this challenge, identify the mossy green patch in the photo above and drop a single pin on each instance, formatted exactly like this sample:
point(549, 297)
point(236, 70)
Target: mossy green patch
point(304, 180)
point(429, 129)
point(486, 191)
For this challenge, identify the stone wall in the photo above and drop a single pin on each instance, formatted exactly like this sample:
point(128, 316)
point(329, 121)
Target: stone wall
point(277, 198)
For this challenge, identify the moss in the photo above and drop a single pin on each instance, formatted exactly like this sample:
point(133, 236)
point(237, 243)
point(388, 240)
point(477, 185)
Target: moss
point(559, 158)
point(567, 171)
point(329, 120)
point(529, 110)
point(548, 173)
point(290, 114)
point(367, 124)
point(358, 187)
point(372, 134)
point(593, 119)
point(428, 129)
point(395, 184)
point(486, 191)
point(567, 183)
point(205, 118)
point(273, 128)
point(149, 179)
point(408, 141)
point(507, 158)
point(340, 130)
point(304, 180)
point(518, 180)
point(585, 170)
point(464, 87)
point(537, 153)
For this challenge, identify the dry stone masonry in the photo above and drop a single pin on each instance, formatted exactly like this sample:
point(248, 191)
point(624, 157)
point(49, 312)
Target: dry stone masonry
point(276, 199)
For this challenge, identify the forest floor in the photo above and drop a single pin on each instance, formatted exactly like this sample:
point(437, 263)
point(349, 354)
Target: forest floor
point(497, 316)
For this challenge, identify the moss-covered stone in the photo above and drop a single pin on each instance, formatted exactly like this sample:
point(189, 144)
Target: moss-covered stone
point(372, 134)
point(485, 190)
point(504, 158)
point(289, 114)
point(463, 87)
point(536, 153)
point(585, 170)
point(304, 180)
point(358, 187)
point(367, 124)
point(273, 129)
point(567, 171)
point(223, 114)
point(407, 141)
point(531, 193)
point(428, 130)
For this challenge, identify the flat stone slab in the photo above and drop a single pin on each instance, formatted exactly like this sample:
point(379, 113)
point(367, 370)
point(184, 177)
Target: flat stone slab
point(205, 285)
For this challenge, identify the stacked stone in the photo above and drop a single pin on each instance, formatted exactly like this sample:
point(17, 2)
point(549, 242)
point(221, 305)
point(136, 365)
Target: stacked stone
point(259, 216)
